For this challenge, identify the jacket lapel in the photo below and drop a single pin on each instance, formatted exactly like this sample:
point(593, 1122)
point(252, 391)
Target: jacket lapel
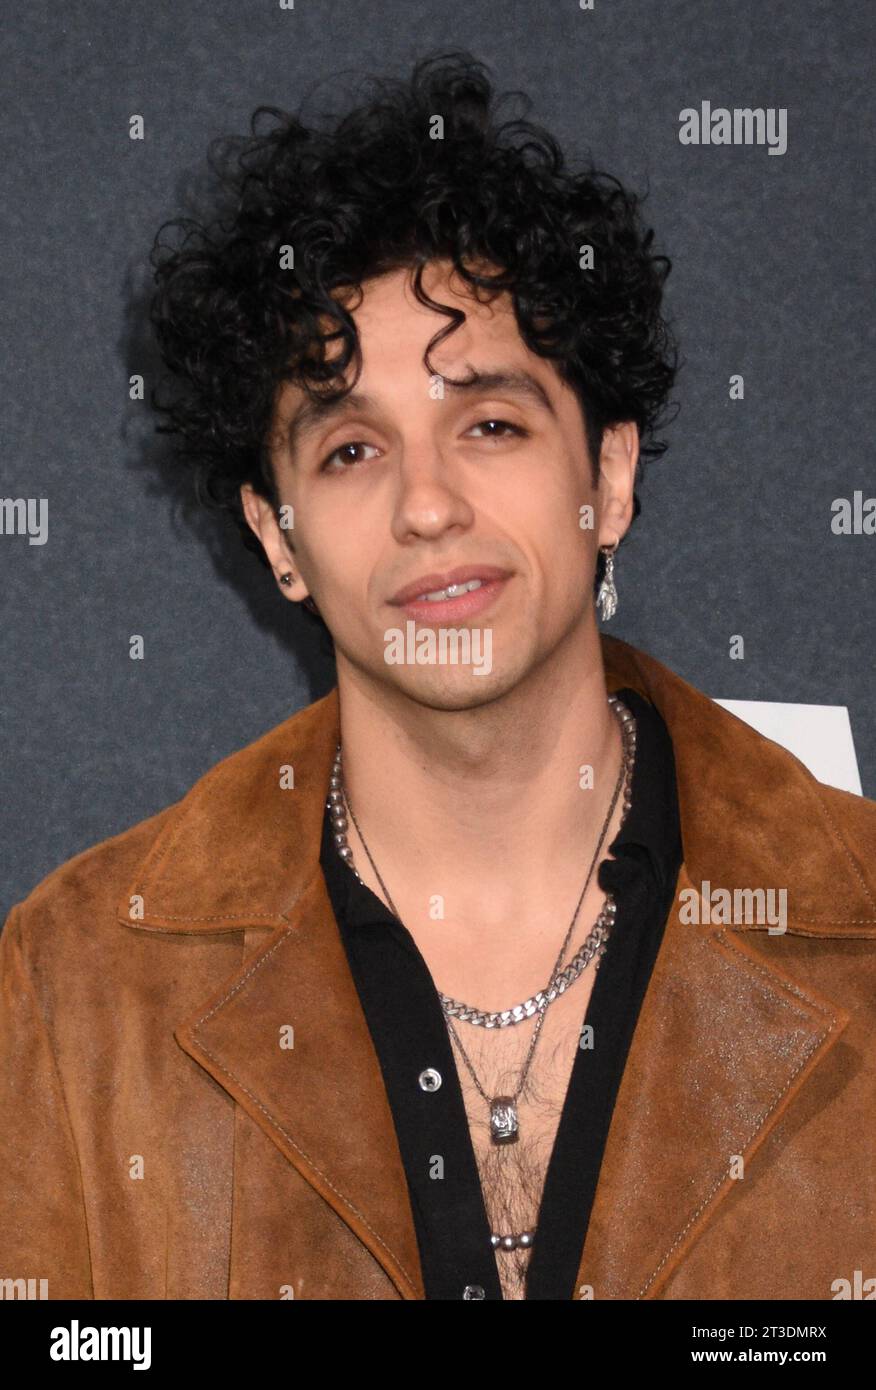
point(322, 1099)
point(242, 852)
point(723, 1043)
point(246, 853)
point(725, 1039)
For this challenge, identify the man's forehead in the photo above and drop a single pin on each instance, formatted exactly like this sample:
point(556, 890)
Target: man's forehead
point(484, 352)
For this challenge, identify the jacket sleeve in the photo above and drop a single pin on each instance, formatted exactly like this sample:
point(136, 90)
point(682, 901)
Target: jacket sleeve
point(43, 1229)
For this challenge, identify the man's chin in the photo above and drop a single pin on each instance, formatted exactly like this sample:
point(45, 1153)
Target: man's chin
point(449, 687)
point(462, 669)
point(444, 688)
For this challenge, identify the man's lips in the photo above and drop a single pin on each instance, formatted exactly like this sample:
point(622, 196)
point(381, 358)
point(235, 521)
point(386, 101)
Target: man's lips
point(429, 583)
point(468, 604)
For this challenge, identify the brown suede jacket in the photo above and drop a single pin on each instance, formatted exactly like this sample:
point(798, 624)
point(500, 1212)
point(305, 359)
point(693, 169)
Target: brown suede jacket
point(158, 1140)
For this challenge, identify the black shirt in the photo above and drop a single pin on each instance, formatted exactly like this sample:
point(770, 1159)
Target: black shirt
point(410, 1035)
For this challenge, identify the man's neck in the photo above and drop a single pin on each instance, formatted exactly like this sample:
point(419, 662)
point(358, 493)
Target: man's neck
point(483, 807)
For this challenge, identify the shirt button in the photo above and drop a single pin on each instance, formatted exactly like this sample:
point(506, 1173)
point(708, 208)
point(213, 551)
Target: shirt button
point(473, 1291)
point(430, 1079)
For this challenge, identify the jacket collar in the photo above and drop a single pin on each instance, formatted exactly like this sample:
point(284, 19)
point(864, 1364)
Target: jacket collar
point(240, 852)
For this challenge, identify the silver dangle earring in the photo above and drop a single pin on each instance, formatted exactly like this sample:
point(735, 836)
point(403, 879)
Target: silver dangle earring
point(606, 599)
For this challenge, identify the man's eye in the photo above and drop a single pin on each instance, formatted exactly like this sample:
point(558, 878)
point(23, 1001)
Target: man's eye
point(503, 424)
point(325, 466)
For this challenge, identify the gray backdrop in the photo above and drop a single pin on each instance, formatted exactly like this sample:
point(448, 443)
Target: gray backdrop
point(771, 280)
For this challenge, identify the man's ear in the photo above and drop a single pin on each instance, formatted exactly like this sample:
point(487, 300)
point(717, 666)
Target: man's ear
point(618, 457)
point(262, 520)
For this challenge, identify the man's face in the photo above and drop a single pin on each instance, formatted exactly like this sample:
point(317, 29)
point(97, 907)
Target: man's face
point(423, 478)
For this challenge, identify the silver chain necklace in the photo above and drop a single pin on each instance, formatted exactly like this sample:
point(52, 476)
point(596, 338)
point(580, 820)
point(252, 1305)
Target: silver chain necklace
point(504, 1117)
point(504, 1018)
point(504, 1128)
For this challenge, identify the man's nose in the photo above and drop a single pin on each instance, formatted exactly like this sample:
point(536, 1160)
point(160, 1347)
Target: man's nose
point(430, 492)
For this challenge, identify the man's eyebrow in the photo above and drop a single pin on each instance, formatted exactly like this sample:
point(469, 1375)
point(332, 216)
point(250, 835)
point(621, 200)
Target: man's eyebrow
point(511, 382)
point(314, 414)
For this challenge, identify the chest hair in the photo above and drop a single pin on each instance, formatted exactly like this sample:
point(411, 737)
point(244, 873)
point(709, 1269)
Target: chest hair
point(512, 1176)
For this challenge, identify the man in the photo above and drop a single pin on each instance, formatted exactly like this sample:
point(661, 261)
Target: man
point(418, 996)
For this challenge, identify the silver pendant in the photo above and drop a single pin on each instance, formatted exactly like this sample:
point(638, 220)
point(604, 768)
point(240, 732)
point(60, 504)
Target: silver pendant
point(504, 1127)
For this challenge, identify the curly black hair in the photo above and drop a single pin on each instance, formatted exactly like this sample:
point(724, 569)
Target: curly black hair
point(423, 169)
